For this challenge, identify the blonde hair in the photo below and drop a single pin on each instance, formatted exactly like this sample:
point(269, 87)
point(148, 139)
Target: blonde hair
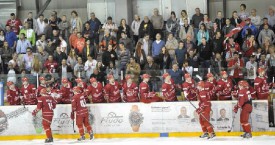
point(36, 64)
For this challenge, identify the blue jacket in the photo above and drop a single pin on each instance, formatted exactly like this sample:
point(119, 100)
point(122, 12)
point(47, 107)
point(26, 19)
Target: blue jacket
point(156, 48)
point(199, 36)
point(253, 29)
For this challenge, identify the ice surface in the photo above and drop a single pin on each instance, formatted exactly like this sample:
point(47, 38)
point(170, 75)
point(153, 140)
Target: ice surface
point(260, 140)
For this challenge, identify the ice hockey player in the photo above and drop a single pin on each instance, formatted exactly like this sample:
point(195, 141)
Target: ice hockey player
point(46, 103)
point(66, 92)
point(210, 86)
point(224, 87)
point(13, 94)
point(145, 95)
point(41, 86)
point(28, 92)
point(261, 86)
point(83, 86)
point(82, 114)
point(168, 89)
point(204, 111)
point(111, 90)
point(130, 90)
point(95, 90)
point(189, 89)
point(245, 103)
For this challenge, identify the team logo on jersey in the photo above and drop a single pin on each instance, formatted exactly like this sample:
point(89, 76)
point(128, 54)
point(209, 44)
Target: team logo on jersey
point(26, 91)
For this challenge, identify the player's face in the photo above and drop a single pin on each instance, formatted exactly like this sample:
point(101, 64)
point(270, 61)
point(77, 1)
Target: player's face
point(129, 81)
point(25, 83)
point(94, 83)
point(12, 87)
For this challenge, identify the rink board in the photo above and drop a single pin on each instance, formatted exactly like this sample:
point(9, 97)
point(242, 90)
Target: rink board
point(127, 120)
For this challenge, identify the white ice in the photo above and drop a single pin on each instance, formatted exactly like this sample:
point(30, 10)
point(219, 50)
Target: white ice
point(260, 140)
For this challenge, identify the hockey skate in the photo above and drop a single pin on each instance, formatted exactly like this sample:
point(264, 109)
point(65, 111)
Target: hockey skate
point(204, 135)
point(243, 134)
point(247, 135)
point(91, 136)
point(212, 135)
point(81, 138)
point(48, 140)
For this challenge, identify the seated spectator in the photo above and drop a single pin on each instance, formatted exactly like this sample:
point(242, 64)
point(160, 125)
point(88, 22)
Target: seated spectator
point(203, 32)
point(80, 44)
point(90, 65)
point(11, 37)
point(220, 20)
point(266, 33)
point(29, 33)
point(64, 71)
point(147, 44)
point(6, 56)
point(111, 27)
point(106, 40)
point(217, 64)
point(50, 65)
point(140, 55)
point(186, 30)
point(192, 59)
point(164, 59)
point(79, 71)
point(22, 44)
point(89, 49)
point(171, 45)
point(181, 54)
point(133, 69)
point(59, 55)
point(189, 44)
point(28, 60)
point(156, 47)
point(72, 59)
point(127, 41)
point(123, 28)
point(146, 27)
point(111, 69)
point(42, 42)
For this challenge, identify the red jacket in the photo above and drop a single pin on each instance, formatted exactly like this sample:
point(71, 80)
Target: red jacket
point(130, 93)
point(227, 46)
point(145, 95)
point(13, 96)
point(112, 93)
point(51, 66)
point(79, 105)
point(96, 93)
point(46, 104)
point(190, 90)
point(262, 88)
point(244, 98)
point(55, 93)
point(224, 88)
point(169, 92)
point(40, 87)
point(29, 94)
point(237, 72)
point(66, 94)
point(14, 25)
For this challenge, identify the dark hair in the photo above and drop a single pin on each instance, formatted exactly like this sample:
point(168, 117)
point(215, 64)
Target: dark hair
point(265, 18)
point(146, 34)
point(109, 18)
point(236, 53)
point(46, 21)
point(12, 14)
point(183, 11)
point(181, 42)
point(74, 12)
point(173, 13)
point(243, 5)
point(202, 24)
point(122, 43)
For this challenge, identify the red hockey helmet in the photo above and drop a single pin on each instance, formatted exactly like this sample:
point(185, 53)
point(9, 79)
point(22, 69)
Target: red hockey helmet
point(260, 70)
point(144, 76)
point(41, 78)
point(127, 77)
point(243, 83)
point(209, 75)
point(165, 75)
point(92, 80)
point(25, 79)
point(187, 75)
point(110, 76)
point(9, 83)
point(200, 84)
point(44, 91)
point(64, 81)
point(77, 89)
point(223, 73)
point(78, 80)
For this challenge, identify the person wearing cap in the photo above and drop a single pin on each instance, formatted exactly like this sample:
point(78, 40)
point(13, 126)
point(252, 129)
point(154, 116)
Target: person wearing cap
point(249, 25)
point(168, 89)
point(66, 92)
point(224, 87)
point(189, 89)
point(235, 67)
point(111, 90)
point(13, 94)
point(146, 96)
point(15, 23)
point(210, 86)
point(41, 86)
point(261, 85)
point(95, 91)
point(130, 90)
point(28, 91)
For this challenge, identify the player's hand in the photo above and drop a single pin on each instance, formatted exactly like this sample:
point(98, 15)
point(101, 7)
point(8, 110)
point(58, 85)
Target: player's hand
point(199, 110)
point(34, 113)
point(235, 109)
point(72, 115)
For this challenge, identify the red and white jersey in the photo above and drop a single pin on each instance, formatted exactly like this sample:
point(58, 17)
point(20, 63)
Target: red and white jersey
point(204, 99)
point(79, 105)
point(82, 85)
point(66, 93)
point(227, 46)
point(29, 94)
point(51, 66)
point(224, 88)
point(112, 93)
point(169, 92)
point(244, 97)
point(143, 90)
point(15, 25)
point(13, 96)
point(189, 90)
point(40, 87)
point(46, 104)
point(130, 92)
point(210, 87)
point(96, 93)
point(55, 93)
point(261, 86)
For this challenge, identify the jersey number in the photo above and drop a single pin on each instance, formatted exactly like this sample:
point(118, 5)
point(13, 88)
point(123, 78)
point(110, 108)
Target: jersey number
point(50, 106)
point(83, 103)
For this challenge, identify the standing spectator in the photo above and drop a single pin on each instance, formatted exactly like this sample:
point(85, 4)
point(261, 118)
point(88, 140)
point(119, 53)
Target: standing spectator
point(135, 28)
point(89, 49)
point(213, 30)
point(251, 68)
point(157, 46)
point(2, 37)
point(6, 56)
point(181, 54)
point(109, 56)
point(133, 69)
point(217, 64)
point(30, 20)
point(192, 59)
point(110, 26)
point(73, 38)
point(196, 19)
point(124, 57)
point(157, 21)
point(189, 44)
point(127, 41)
point(123, 27)
point(42, 54)
point(147, 44)
point(220, 20)
point(80, 44)
point(63, 45)
point(171, 45)
point(203, 32)
point(28, 60)
point(185, 30)
point(42, 42)
point(266, 33)
point(164, 59)
point(153, 70)
point(40, 25)
point(186, 68)
point(79, 71)
point(217, 43)
point(243, 15)
point(172, 24)
point(29, 33)
point(265, 21)
point(90, 66)
point(22, 44)
point(183, 16)
point(53, 22)
point(10, 37)
point(95, 27)
point(37, 66)
point(249, 47)
point(235, 66)
point(227, 27)
point(235, 20)
point(72, 59)
point(207, 22)
point(255, 19)
point(140, 55)
point(270, 59)
point(14, 23)
point(64, 27)
point(249, 25)
point(107, 40)
point(176, 74)
point(87, 32)
point(56, 18)
point(11, 76)
point(205, 54)
point(50, 65)
point(146, 27)
point(64, 70)
point(59, 55)
point(54, 42)
point(48, 30)
point(271, 15)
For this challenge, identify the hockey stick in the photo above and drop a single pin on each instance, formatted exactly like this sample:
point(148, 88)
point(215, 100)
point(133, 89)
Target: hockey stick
point(73, 126)
point(232, 125)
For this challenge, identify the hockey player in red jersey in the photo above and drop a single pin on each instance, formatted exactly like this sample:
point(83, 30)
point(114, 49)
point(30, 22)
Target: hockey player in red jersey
point(82, 114)
point(224, 87)
point(189, 89)
point(66, 92)
point(53, 92)
point(168, 89)
point(41, 86)
point(144, 91)
point(130, 90)
point(95, 90)
point(83, 85)
point(111, 90)
point(261, 86)
point(210, 86)
point(46, 103)
point(28, 91)
point(245, 103)
point(13, 94)
point(204, 111)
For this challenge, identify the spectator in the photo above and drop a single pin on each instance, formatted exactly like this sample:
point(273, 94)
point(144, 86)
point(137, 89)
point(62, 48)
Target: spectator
point(157, 21)
point(29, 33)
point(186, 68)
point(41, 42)
point(235, 20)
point(171, 45)
point(6, 56)
point(217, 43)
point(123, 56)
point(40, 25)
point(110, 26)
point(203, 32)
point(64, 71)
point(64, 27)
point(22, 44)
point(30, 21)
point(95, 27)
point(11, 37)
point(99, 75)
point(176, 74)
point(54, 42)
point(2, 38)
point(53, 22)
point(14, 23)
point(51, 65)
point(72, 59)
point(207, 22)
point(133, 69)
point(243, 15)
point(37, 66)
point(231, 43)
point(271, 15)
point(213, 30)
point(11, 76)
point(76, 22)
point(111, 69)
point(79, 71)
point(157, 46)
point(235, 66)
point(189, 44)
point(59, 55)
point(251, 69)
point(266, 33)
point(254, 30)
point(262, 62)
point(127, 41)
point(90, 65)
point(220, 20)
point(89, 49)
point(42, 54)
point(140, 55)
point(99, 54)
point(123, 27)
point(146, 27)
point(63, 45)
point(230, 54)
point(270, 59)
point(185, 30)
point(80, 44)
point(28, 60)
point(135, 28)
point(147, 44)
point(183, 16)
point(164, 59)
point(181, 54)
point(196, 19)
point(249, 47)
point(101, 67)
point(152, 69)
point(15, 62)
point(192, 59)
point(87, 31)
point(265, 45)
point(255, 19)
point(107, 39)
point(109, 56)
point(217, 64)
point(204, 54)
point(227, 28)
point(172, 24)
point(48, 30)
point(73, 39)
